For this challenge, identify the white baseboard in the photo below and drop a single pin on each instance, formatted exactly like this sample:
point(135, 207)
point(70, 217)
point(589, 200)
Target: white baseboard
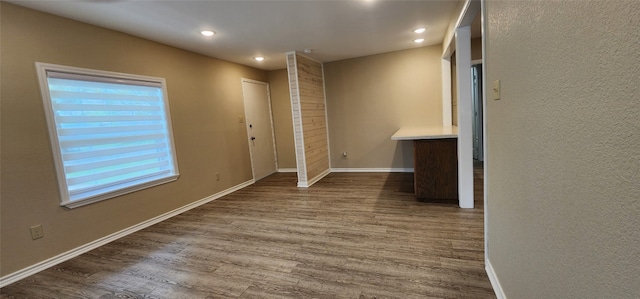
point(308, 183)
point(371, 169)
point(319, 177)
point(495, 283)
point(33, 269)
point(287, 170)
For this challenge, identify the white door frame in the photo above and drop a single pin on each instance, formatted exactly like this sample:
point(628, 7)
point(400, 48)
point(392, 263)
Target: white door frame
point(470, 9)
point(460, 42)
point(273, 135)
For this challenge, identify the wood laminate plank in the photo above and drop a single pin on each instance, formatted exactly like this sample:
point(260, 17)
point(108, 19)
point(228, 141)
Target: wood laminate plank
point(313, 112)
point(351, 235)
point(307, 105)
point(315, 132)
point(315, 142)
point(318, 161)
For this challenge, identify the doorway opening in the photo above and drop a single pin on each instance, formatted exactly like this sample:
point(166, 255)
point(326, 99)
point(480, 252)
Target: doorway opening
point(477, 119)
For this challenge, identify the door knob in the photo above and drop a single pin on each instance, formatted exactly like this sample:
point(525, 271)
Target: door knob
point(253, 138)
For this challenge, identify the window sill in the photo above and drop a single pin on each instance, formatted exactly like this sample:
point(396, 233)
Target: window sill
point(86, 201)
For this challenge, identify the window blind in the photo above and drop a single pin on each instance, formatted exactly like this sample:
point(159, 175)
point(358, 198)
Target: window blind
point(113, 133)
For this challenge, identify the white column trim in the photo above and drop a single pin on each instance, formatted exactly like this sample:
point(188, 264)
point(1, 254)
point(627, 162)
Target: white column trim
point(298, 132)
point(484, 132)
point(465, 108)
point(326, 114)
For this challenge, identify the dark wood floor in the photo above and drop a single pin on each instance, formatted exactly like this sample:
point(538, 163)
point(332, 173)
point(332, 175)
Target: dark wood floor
point(348, 236)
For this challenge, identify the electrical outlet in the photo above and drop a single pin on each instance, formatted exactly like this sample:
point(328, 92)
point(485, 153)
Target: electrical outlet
point(37, 232)
point(217, 176)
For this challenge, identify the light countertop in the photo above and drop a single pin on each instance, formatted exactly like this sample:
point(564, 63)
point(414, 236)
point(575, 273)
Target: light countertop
point(426, 132)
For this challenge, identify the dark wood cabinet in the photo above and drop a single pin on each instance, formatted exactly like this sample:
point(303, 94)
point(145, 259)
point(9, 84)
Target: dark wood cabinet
point(436, 168)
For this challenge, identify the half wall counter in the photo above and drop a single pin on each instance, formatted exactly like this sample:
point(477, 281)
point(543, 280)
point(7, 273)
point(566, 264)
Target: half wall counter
point(435, 160)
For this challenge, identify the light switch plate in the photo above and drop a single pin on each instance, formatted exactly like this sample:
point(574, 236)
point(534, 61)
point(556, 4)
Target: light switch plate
point(496, 90)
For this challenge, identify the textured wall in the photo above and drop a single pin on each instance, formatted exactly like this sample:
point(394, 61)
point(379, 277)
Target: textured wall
point(205, 97)
point(282, 121)
point(370, 98)
point(563, 165)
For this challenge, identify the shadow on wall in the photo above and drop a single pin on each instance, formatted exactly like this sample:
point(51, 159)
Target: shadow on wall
point(404, 153)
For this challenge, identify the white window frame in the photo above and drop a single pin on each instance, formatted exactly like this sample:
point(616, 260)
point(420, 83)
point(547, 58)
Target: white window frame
point(44, 70)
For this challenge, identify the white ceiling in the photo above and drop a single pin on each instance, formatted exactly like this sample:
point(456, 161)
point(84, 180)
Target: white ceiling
point(335, 30)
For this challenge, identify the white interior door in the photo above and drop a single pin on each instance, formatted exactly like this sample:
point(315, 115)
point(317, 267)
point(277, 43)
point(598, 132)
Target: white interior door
point(257, 107)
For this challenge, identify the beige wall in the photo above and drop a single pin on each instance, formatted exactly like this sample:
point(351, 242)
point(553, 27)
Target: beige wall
point(205, 97)
point(563, 165)
point(282, 121)
point(476, 48)
point(369, 98)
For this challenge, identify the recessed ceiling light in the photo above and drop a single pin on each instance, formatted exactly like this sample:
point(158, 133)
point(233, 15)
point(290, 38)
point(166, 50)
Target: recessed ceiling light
point(207, 32)
point(417, 41)
point(258, 58)
point(419, 30)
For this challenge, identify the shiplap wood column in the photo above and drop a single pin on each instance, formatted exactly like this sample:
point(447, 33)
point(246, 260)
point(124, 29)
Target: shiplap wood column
point(308, 108)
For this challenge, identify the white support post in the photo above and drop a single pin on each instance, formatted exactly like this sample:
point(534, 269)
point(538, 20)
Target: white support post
point(465, 107)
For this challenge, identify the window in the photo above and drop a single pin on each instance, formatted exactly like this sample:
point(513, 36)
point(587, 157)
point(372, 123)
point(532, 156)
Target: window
point(110, 132)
